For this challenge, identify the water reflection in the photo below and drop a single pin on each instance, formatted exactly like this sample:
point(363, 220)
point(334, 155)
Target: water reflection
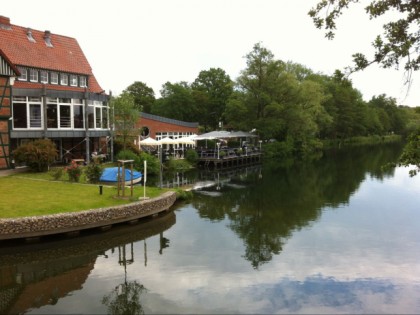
point(281, 199)
point(125, 297)
point(35, 275)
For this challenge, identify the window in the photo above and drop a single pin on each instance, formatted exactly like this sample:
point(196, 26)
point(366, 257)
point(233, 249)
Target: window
point(54, 78)
point(65, 116)
point(35, 119)
point(98, 120)
point(78, 116)
point(27, 112)
point(104, 118)
point(33, 75)
point(44, 76)
point(23, 74)
point(91, 117)
point(64, 79)
point(73, 80)
point(82, 81)
point(20, 119)
point(52, 116)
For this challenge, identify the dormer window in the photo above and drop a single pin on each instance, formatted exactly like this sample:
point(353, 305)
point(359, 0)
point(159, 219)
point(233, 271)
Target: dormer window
point(54, 78)
point(23, 74)
point(64, 79)
point(82, 81)
point(73, 80)
point(33, 75)
point(44, 76)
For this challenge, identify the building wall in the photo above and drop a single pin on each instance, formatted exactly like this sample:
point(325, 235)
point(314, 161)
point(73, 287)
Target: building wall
point(5, 114)
point(155, 126)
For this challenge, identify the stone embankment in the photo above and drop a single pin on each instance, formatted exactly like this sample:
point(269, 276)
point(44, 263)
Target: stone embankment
point(37, 226)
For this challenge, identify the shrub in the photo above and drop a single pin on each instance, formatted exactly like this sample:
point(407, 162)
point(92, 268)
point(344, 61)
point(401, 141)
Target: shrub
point(191, 156)
point(130, 155)
point(93, 171)
point(74, 171)
point(118, 147)
point(152, 163)
point(178, 165)
point(57, 173)
point(37, 155)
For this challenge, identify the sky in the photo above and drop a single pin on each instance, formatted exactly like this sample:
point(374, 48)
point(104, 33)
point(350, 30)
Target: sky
point(163, 41)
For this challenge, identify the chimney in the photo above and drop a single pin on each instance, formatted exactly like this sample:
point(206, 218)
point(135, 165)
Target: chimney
point(5, 23)
point(29, 35)
point(47, 38)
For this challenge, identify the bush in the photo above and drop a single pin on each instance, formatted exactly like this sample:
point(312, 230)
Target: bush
point(152, 163)
point(130, 146)
point(130, 155)
point(74, 171)
point(57, 173)
point(191, 156)
point(93, 171)
point(178, 165)
point(37, 155)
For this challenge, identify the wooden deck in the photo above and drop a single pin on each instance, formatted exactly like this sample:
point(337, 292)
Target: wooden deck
point(213, 161)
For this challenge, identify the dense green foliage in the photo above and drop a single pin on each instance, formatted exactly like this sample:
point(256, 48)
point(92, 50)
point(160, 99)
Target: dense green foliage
point(144, 96)
point(152, 161)
point(191, 156)
point(286, 102)
point(38, 154)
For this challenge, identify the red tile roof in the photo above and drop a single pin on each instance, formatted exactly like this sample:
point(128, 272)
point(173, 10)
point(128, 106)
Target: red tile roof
point(65, 55)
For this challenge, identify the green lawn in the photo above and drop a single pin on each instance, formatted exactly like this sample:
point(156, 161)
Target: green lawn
point(31, 194)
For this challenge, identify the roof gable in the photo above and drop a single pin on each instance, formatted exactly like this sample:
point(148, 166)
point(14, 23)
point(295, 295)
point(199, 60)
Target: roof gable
point(6, 66)
point(27, 47)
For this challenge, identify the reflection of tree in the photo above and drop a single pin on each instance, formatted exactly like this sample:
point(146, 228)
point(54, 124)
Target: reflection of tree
point(125, 298)
point(288, 198)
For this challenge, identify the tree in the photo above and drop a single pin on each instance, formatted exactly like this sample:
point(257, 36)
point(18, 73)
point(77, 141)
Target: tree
point(126, 116)
point(144, 96)
point(211, 90)
point(400, 42)
point(411, 153)
point(176, 102)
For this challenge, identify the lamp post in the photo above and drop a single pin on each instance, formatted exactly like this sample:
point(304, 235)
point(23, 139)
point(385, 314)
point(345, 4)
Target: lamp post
point(218, 150)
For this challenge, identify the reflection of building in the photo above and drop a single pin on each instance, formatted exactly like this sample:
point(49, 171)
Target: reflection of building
point(41, 274)
point(55, 94)
point(159, 127)
point(23, 287)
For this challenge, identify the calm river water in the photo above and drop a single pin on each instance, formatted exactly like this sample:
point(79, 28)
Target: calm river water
point(337, 235)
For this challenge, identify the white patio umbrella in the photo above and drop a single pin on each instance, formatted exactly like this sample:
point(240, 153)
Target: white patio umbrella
point(149, 141)
point(186, 140)
point(167, 140)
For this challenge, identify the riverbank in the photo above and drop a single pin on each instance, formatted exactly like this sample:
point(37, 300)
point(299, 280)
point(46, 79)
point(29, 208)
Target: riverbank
point(32, 208)
point(73, 223)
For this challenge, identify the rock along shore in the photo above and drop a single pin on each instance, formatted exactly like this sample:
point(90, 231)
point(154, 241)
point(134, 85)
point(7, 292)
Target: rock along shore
point(37, 226)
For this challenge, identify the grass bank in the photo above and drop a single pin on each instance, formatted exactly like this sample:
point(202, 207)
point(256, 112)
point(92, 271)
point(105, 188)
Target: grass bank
point(31, 194)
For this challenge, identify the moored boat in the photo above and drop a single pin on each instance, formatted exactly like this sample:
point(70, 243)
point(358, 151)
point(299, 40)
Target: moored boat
point(110, 176)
